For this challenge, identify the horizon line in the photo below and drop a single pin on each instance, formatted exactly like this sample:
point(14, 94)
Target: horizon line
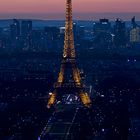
point(76, 15)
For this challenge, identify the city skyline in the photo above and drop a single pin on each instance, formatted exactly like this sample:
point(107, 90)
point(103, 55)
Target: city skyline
point(55, 9)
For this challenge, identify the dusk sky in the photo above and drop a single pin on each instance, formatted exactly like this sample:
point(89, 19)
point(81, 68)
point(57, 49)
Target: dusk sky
point(38, 8)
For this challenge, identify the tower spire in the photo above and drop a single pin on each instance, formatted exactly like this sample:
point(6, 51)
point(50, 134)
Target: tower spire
point(69, 50)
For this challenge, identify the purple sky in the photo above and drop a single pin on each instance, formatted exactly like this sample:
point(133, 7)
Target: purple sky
point(51, 8)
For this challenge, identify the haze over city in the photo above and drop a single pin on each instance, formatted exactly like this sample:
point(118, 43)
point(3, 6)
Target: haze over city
point(48, 9)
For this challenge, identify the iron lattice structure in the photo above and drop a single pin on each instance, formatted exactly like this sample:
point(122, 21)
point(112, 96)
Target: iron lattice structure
point(69, 79)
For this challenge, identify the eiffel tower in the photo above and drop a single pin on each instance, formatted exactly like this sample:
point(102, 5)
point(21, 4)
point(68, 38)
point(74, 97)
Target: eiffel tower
point(69, 79)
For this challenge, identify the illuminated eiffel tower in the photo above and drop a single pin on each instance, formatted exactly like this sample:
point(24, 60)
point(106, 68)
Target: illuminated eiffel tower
point(69, 79)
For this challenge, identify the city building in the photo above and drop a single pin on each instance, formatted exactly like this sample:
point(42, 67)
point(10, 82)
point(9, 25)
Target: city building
point(133, 22)
point(103, 26)
point(75, 30)
point(26, 32)
point(102, 33)
point(134, 32)
point(15, 30)
point(62, 30)
point(52, 35)
point(26, 28)
point(81, 32)
point(135, 35)
point(39, 40)
point(120, 33)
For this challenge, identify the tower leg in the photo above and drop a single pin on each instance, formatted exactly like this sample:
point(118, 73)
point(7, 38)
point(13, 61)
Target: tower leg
point(52, 99)
point(85, 99)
